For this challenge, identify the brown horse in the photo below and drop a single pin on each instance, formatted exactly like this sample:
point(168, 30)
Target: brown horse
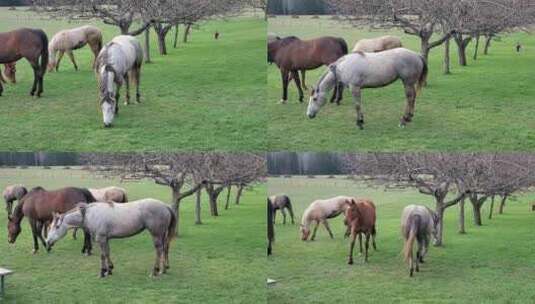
point(292, 55)
point(39, 205)
point(281, 202)
point(360, 218)
point(31, 44)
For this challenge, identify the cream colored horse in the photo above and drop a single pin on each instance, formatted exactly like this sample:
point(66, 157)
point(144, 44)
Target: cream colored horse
point(321, 210)
point(109, 194)
point(68, 40)
point(378, 44)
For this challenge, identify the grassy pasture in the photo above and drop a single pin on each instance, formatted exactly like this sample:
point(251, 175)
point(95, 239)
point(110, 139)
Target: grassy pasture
point(204, 95)
point(220, 261)
point(484, 106)
point(489, 264)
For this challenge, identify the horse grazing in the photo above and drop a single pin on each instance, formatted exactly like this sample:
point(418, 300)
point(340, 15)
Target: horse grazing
point(13, 193)
point(107, 221)
point(31, 44)
point(39, 205)
point(292, 55)
point(270, 226)
point(109, 194)
point(281, 202)
point(319, 211)
point(372, 70)
point(360, 219)
point(378, 44)
point(72, 39)
point(417, 223)
point(117, 62)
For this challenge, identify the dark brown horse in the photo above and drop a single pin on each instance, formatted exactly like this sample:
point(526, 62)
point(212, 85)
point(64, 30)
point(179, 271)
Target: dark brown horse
point(270, 227)
point(31, 44)
point(360, 218)
point(292, 55)
point(281, 202)
point(39, 205)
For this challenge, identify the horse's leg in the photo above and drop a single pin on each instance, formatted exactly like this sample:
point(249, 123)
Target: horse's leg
point(352, 245)
point(74, 233)
point(71, 56)
point(291, 214)
point(104, 248)
point(373, 239)
point(87, 243)
point(315, 230)
point(35, 68)
point(285, 79)
point(166, 251)
point(355, 91)
point(297, 80)
point(1, 87)
point(367, 247)
point(39, 227)
point(410, 93)
point(425, 246)
point(283, 216)
point(326, 224)
point(339, 93)
point(159, 250)
point(303, 82)
point(274, 215)
point(360, 243)
point(127, 82)
point(33, 226)
point(333, 98)
point(60, 56)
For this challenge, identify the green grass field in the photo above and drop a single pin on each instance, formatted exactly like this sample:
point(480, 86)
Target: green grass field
point(489, 264)
point(220, 261)
point(484, 106)
point(204, 95)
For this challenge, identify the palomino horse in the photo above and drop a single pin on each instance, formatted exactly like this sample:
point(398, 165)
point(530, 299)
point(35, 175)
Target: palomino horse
point(270, 226)
point(13, 193)
point(360, 219)
point(281, 202)
point(372, 70)
point(119, 60)
point(378, 44)
point(321, 210)
point(292, 55)
point(107, 221)
point(39, 204)
point(31, 44)
point(417, 223)
point(68, 40)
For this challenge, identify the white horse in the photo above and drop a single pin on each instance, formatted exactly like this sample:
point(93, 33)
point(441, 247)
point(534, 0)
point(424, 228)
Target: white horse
point(417, 223)
point(107, 221)
point(321, 210)
point(378, 44)
point(372, 70)
point(109, 194)
point(119, 60)
point(72, 39)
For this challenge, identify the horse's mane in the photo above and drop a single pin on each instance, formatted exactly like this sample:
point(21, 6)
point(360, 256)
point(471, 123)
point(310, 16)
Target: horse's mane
point(287, 40)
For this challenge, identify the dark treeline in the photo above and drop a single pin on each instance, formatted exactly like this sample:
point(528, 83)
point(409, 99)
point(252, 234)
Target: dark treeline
point(297, 7)
point(15, 2)
point(39, 159)
point(304, 163)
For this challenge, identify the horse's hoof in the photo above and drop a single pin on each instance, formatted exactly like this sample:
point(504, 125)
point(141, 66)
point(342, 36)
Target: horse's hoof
point(282, 101)
point(402, 125)
point(126, 103)
point(34, 251)
point(350, 262)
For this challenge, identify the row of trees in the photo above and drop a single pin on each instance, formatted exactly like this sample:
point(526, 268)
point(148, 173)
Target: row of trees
point(436, 22)
point(186, 174)
point(450, 178)
point(134, 17)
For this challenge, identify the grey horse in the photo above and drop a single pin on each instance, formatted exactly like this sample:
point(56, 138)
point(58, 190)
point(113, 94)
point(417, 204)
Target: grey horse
point(13, 193)
point(281, 202)
point(107, 220)
point(372, 70)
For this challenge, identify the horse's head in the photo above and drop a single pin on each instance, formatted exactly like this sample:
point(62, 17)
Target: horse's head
point(305, 232)
point(57, 229)
point(13, 230)
point(10, 70)
point(108, 105)
point(318, 96)
point(108, 102)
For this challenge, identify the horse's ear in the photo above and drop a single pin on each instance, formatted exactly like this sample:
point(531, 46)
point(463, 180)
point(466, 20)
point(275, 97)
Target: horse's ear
point(353, 202)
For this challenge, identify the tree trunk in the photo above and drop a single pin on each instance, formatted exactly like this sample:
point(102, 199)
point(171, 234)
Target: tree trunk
point(447, 57)
point(476, 48)
point(477, 214)
point(440, 227)
point(176, 207)
point(487, 44)
point(502, 204)
point(424, 47)
point(461, 49)
point(461, 217)
point(229, 187)
point(186, 33)
point(176, 36)
point(238, 194)
point(491, 207)
point(146, 55)
point(213, 194)
point(161, 32)
point(198, 207)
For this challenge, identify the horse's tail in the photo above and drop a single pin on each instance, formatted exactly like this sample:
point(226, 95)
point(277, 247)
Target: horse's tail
point(422, 81)
point(290, 208)
point(87, 195)
point(413, 226)
point(270, 228)
point(171, 229)
point(44, 50)
point(125, 197)
point(343, 44)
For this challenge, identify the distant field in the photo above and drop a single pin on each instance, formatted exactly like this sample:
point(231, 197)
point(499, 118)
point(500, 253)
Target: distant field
point(489, 264)
point(205, 95)
point(487, 105)
point(220, 261)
